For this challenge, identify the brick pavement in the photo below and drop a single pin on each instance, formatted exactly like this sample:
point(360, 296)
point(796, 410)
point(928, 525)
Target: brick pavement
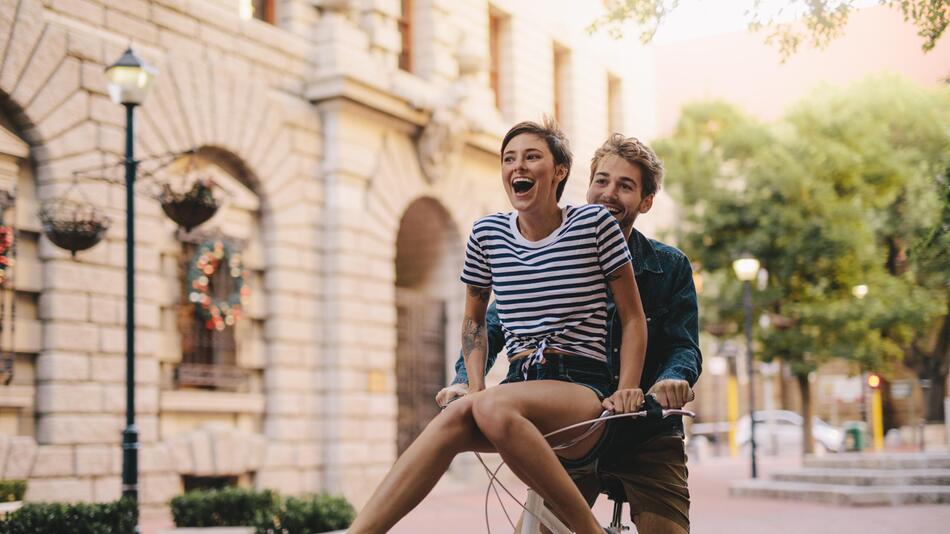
point(457, 507)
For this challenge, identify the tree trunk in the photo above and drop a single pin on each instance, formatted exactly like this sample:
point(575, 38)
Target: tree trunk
point(804, 387)
point(934, 402)
point(933, 366)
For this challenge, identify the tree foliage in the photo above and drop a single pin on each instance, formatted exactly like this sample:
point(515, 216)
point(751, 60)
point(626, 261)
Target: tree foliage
point(849, 188)
point(821, 21)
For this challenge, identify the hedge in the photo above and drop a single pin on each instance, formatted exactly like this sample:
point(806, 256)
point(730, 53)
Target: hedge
point(119, 517)
point(264, 510)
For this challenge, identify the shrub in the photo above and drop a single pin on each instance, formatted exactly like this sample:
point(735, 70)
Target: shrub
point(227, 507)
point(264, 510)
point(12, 490)
point(119, 517)
point(314, 513)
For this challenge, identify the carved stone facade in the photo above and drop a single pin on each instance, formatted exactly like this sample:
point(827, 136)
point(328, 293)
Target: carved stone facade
point(337, 165)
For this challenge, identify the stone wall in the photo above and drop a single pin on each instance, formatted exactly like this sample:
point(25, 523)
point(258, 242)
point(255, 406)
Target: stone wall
point(325, 144)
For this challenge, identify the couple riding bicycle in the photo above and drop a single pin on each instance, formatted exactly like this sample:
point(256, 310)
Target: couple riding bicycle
point(566, 290)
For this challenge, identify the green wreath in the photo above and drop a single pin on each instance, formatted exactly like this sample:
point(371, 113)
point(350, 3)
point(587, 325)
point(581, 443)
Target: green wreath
point(207, 260)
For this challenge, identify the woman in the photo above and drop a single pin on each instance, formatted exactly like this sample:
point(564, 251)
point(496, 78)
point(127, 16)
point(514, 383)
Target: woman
point(550, 269)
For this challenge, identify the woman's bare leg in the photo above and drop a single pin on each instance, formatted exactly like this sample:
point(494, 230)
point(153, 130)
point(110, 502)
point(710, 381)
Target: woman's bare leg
point(419, 468)
point(514, 418)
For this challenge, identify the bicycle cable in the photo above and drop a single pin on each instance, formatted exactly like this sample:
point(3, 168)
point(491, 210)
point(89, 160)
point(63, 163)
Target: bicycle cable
point(605, 416)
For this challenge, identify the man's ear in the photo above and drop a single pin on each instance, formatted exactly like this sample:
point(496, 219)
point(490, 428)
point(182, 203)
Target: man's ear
point(646, 204)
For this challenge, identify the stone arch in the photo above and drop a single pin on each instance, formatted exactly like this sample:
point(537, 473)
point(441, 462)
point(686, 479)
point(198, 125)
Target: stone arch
point(427, 247)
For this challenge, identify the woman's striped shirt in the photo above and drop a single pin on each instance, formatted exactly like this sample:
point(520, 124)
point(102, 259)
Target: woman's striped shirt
point(550, 293)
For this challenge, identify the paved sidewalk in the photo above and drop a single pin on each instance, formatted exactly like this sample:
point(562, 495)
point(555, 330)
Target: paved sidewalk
point(459, 508)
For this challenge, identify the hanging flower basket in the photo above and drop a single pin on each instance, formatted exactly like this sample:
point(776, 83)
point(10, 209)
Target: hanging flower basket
point(191, 208)
point(73, 226)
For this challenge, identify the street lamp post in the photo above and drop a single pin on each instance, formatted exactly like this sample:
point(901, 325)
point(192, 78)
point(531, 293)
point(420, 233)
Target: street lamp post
point(746, 269)
point(129, 81)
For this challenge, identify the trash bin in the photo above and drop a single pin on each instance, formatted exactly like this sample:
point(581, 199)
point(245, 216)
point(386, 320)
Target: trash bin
point(854, 435)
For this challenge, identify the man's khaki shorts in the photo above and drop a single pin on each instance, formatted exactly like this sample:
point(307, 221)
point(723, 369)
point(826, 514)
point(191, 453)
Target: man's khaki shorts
point(653, 475)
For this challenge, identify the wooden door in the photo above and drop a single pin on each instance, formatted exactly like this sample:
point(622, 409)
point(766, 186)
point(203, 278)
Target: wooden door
point(420, 365)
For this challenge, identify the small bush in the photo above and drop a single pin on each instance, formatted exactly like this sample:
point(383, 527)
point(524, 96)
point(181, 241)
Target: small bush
point(12, 490)
point(227, 507)
point(119, 517)
point(264, 510)
point(314, 513)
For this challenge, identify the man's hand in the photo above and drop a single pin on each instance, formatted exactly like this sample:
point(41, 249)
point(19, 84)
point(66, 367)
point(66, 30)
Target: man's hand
point(624, 400)
point(450, 393)
point(671, 393)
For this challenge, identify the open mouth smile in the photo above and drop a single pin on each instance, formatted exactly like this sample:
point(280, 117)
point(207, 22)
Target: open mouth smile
point(522, 185)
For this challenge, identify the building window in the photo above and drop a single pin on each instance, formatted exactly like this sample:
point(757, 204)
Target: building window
point(561, 82)
point(258, 9)
point(207, 354)
point(494, 55)
point(614, 104)
point(193, 482)
point(264, 10)
point(405, 35)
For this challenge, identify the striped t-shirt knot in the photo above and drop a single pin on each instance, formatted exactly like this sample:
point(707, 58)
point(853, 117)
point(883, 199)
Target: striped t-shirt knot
point(536, 357)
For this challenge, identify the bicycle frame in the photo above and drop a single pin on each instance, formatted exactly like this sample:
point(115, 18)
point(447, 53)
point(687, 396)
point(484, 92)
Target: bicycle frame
point(538, 514)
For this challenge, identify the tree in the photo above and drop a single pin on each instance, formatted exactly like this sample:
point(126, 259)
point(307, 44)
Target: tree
point(820, 197)
point(821, 21)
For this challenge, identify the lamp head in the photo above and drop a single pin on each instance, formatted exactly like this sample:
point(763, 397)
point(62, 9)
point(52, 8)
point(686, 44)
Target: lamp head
point(129, 79)
point(860, 291)
point(746, 268)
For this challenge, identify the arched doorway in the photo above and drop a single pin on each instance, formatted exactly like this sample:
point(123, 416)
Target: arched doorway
point(428, 250)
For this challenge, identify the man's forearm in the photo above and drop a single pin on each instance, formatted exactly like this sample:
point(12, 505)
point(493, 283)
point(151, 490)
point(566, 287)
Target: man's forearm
point(681, 364)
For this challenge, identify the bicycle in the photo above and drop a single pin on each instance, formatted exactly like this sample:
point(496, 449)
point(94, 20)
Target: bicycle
point(537, 514)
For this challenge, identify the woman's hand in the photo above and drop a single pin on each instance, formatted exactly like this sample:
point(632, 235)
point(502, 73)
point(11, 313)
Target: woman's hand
point(624, 400)
point(450, 393)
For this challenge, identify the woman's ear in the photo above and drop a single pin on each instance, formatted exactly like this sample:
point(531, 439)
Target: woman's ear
point(560, 173)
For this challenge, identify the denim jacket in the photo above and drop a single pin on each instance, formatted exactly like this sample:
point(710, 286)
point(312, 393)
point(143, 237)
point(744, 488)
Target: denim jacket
point(665, 281)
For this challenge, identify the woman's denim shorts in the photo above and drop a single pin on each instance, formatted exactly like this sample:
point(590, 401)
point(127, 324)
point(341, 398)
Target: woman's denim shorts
point(587, 372)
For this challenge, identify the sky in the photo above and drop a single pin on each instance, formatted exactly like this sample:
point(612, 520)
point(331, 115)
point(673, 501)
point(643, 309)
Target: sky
point(700, 18)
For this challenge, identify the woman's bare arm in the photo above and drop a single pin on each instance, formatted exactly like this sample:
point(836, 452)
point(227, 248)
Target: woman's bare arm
point(633, 346)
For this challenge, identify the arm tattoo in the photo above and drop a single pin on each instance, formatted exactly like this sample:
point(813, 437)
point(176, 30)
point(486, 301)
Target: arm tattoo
point(473, 336)
point(482, 293)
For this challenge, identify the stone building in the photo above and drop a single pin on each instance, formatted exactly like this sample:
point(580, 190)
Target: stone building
point(356, 142)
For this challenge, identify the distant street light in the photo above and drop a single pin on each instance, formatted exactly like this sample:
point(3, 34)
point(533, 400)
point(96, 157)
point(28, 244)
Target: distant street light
point(860, 291)
point(747, 268)
point(129, 82)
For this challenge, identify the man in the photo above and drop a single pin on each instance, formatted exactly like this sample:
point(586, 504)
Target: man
point(651, 462)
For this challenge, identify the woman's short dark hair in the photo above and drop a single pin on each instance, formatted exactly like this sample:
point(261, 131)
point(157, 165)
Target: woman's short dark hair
point(553, 136)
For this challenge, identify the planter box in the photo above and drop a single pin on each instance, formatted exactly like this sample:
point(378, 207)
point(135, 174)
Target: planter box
point(8, 507)
point(220, 530)
point(208, 530)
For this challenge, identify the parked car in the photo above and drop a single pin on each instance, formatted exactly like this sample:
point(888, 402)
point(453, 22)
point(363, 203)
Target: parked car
point(780, 431)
